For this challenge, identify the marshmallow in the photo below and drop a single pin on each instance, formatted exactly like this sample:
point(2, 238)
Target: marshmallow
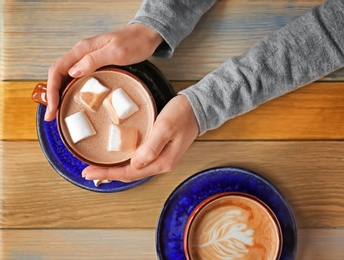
point(79, 126)
point(99, 182)
point(122, 138)
point(119, 106)
point(92, 94)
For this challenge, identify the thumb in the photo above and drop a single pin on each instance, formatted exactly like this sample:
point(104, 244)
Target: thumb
point(150, 149)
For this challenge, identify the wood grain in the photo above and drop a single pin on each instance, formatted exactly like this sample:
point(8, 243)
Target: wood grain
point(313, 244)
point(309, 174)
point(36, 33)
point(17, 111)
point(320, 244)
point(295, 141)
point(1, 37)
point(314, 112)
point(78, 244)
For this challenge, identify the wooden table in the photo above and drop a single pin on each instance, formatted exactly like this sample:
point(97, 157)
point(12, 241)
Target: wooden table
point(296, 141)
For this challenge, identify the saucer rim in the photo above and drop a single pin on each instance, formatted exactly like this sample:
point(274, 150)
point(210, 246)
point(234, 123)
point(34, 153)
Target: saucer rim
point(59, 167)
point(161, 90)
point(240, 170)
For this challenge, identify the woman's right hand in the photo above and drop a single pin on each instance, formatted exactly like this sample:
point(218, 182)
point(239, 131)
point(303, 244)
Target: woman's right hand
point(174, 131)
point(131, 44)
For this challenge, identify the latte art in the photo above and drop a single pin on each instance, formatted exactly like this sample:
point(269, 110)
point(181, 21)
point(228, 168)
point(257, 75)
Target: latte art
point(227, 236)
point(233, 228)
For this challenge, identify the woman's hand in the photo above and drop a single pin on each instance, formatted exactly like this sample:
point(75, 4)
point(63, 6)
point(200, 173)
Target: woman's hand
point(131, 44)
point(174, 130)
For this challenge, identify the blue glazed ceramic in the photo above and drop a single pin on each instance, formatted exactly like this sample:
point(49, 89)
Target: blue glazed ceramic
point(191, 192)
point(68, 166)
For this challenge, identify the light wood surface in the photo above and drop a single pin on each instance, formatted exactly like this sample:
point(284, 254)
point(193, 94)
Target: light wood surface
point(295, 141)
point(314, 244)
point(309, 174)
point(38, 32)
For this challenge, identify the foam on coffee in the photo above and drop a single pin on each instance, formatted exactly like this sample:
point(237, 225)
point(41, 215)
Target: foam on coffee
point(95, 148)
point(234, 227)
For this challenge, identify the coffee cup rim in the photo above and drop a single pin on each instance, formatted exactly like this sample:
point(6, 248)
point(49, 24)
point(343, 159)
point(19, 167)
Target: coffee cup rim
point(214, 197)
point(110, 68)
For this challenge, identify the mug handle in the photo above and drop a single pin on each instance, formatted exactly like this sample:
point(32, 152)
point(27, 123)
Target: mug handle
point(39, 94)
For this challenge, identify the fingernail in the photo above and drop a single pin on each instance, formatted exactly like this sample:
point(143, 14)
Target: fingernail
point(46, 113)
point(74, 72)
point(84, 173)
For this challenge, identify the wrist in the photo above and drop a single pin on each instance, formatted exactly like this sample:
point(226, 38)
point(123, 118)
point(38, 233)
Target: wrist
point(150, 35)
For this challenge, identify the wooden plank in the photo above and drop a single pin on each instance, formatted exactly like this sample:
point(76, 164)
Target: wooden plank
point(309, 174)
point(313, 244)
point(17, 111)
point(1, 37)
point(36, 33)
point(319, 244)
point(314, 112)
point(78, 244)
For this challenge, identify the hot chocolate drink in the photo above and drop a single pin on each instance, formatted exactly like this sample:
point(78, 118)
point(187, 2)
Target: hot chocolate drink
point(86, 96)
point(233, 226)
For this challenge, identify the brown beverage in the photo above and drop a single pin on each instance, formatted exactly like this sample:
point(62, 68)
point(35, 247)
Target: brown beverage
point(94, 149)
point(233, 226)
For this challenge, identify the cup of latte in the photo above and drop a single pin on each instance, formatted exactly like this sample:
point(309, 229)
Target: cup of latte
point(104, 116)
point(232, 225)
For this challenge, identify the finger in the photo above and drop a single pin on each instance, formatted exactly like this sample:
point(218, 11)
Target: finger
point(53, 94)
point(91, 62)
point(152, 147)
point(123, 174)
point(129, 174)
point(79, 51)
point(58, 74)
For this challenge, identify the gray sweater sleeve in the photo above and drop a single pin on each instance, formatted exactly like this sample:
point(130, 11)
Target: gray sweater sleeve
point(307, 49)
point(303, 51)
point(172, 19)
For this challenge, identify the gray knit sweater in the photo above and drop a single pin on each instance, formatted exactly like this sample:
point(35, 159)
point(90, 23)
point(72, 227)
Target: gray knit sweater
point(305, 50)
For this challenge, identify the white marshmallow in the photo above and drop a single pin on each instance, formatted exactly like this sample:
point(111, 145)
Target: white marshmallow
point(99, 182)
point(123, 104)
point(115, 138)
point(122, 138)
point(119, 106)
point(91, 94)
point(93, 85)
point(79, 126)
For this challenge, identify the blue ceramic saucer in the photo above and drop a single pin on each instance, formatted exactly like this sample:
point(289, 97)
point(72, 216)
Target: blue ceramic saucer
point(202, 185)
point(68, 166)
